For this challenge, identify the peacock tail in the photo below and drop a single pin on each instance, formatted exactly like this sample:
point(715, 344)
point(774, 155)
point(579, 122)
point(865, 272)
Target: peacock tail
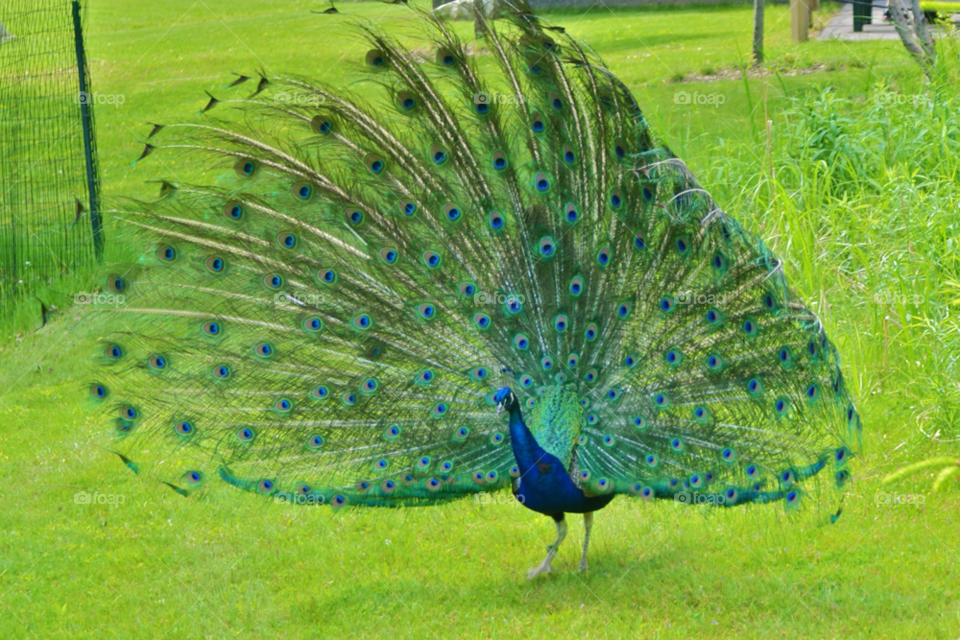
point(329, 319)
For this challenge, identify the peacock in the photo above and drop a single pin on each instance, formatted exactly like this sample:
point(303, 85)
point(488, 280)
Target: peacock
point(474, 270)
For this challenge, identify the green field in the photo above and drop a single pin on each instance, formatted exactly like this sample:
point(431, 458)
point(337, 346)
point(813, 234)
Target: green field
point(852, 182)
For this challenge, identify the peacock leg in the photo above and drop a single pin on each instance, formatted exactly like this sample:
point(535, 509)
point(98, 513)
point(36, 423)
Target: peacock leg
point(587, 523)
point(544, 567)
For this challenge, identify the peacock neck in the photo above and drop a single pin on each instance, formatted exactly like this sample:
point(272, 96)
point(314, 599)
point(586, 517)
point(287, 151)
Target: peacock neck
point(525, 447)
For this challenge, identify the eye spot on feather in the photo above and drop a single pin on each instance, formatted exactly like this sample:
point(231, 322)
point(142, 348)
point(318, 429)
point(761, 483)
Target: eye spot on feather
point(536, 123)
point(535, 69)
point(375, 164)
point(438, 155)
point(349, 399)
point(521, 342)
point(233, 211)
point(158, 363)
point(193, 477)
point(754, 387)
point(673, 357)
point(427, 311)
point(481, 321)
point(408, 207)
point(662, 400)
point(560, 323)
point(785, 357)
point(246, 434)
point(265, 486)
point(321, 125)
point(478, 477)
point(246, 167)
point(425, 377)
point(812, 392)
point(623, 310)
point(701, 415)
point(786, 478)
point(369, 386)
point(556, 101)
point(461, 433)
point(546, 363)
point(116, 284)
point(591, 332)
point(215, 264)
point(541, 182)
point(392, 433)
point(221, 372)
point(582, 440)
point(167, 253)
point(631, 360)
point(782, 406)
point(713, 317)
point(639, 423)
point(676, 445)
point(714, 363)
point(273, 281)
point(264, 350)
point(728, 455)
point(283, 405)
point(114, 352)
point(362, 322)
point(212, 328)
point(584, 475)
point(499, 160)
point(547, 246)
point(576, 285)
point(431, 259)
point(495, 220)
point(375, 58)
point(682, 246)
point(512, 304)
point(525, 381)
point(696, 481)
point(314, 442)
point(750, 328)
point(613, 394)
point(570, 213)
point(620, 149)
point(445, 58)
point(592, 376)
point(98, 392)
point(573, 360)
point(439, 410)
point(388, 486)
point(608, 441)
point(467, 289)
point(616, 199)
point(184, 428)
point(338, 501)
point(302, 191)
point(407, 101)
point(320, 393)
point(569, 156)
point(354, 216)
point(652, 460)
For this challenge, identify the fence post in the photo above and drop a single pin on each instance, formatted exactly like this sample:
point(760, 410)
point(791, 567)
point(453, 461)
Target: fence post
point(86, 114)
point(799, 20)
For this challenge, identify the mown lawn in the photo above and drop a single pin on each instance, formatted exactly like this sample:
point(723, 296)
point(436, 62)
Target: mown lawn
point(160, 566)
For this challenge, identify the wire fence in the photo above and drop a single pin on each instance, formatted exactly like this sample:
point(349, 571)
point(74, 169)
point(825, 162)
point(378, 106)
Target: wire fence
point(49, 191)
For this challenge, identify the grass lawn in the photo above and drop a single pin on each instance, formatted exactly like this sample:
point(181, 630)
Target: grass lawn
point(160, 566)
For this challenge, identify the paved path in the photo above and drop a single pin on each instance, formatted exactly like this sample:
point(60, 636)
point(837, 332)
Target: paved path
point(842, 25)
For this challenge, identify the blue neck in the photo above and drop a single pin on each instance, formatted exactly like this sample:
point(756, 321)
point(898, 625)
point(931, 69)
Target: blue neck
point(525, 447)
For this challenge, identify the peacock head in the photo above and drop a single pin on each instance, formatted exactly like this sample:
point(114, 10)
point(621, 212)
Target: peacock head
point(505, 399)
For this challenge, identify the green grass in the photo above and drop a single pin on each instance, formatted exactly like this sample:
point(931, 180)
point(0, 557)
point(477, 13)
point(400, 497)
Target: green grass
point(858, 198)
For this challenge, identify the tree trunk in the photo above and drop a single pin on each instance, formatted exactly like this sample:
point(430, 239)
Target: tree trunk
point(758, 32)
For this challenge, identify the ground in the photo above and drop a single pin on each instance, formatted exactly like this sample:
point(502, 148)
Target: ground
point(145, 562)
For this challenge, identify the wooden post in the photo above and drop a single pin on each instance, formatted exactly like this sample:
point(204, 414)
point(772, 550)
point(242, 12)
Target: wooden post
point(799, 20)
point(758, 32)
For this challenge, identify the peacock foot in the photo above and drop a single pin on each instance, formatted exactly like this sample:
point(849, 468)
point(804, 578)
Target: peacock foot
point(583, 566)
point(537, 570)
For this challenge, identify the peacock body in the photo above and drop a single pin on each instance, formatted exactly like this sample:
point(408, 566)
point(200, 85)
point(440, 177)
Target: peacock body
point(333, 318)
